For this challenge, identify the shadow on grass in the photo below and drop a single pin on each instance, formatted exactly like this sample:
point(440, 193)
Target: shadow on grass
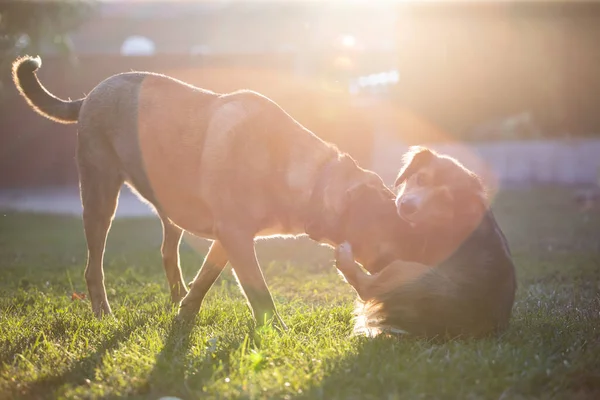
point(176, 372)
point(168, 374)
point(407, 367)
point(84, 368)
point(57, 329)
point(378, 369)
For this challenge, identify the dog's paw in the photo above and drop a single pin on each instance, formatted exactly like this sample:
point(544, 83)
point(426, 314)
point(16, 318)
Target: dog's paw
point(188, 310)
point(343, 252)
point(178, 294)
point(345, 248)
point(101, 308)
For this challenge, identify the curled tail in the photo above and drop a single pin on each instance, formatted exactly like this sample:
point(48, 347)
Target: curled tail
point(40, 99)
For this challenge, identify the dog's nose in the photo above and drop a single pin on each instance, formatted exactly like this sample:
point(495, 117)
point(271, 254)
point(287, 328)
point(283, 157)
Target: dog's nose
point(408, 206)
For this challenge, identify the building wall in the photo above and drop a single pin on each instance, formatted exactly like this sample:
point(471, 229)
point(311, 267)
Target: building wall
point(568, 162)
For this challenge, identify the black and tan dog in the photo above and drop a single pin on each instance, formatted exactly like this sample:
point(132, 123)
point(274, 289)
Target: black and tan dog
point(460, 280)
point(227, 167)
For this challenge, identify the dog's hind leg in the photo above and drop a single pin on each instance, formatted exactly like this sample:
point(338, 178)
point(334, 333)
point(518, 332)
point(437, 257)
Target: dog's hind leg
point(170, 257)
point(242, 255)
point(213, 265)
point(100, 185)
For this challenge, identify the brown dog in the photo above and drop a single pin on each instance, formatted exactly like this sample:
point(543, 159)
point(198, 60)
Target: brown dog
point(461, 279)
point(227, 167)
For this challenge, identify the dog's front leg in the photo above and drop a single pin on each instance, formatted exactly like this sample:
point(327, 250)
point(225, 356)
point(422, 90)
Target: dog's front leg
point(351, 271)
point(392, 277)
point(242, 256)
point(213, 265)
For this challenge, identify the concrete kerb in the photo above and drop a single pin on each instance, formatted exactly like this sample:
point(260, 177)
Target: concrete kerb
point(66, 201)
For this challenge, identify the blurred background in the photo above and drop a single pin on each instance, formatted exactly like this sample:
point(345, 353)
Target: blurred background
point(511, 88)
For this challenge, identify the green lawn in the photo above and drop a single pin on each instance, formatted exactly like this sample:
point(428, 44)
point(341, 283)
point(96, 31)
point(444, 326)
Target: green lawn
point(52, 347)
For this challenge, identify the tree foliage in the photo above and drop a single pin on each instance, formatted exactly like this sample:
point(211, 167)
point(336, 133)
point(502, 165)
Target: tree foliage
point(31, 26)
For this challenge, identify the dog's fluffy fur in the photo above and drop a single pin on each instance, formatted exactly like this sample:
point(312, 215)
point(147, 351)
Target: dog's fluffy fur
point(227, 167)
point(460, 281)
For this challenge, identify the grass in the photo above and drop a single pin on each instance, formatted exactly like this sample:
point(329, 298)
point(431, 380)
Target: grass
point(52, 347)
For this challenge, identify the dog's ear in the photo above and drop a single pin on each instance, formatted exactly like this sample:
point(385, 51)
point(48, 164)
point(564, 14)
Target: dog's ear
point(373, 184)
point(478, 201)
point(354, 192)
point(367, 194)
point(416, 158)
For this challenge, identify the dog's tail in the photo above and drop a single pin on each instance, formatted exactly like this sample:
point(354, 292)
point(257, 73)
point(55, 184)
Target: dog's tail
point(38, 97)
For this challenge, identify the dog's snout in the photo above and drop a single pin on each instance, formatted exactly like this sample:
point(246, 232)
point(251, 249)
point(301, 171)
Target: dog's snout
point(408, 206)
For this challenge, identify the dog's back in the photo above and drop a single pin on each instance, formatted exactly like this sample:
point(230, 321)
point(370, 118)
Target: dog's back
point(174, 143)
